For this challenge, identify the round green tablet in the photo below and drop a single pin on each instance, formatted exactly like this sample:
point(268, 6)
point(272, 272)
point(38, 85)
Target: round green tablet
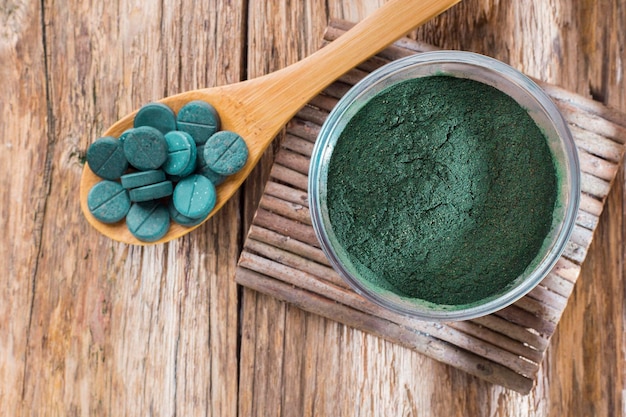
point(213, 176)
point(199, 119)
point(106, 158)
point(145, 148)
point(108, 201)
point(148, 221)
point(203, 169)
point(194, 196)
point(183, 220)
point(141, 178)
point(190, 168)
point(151, 192)
point(181, 153)
point(225, 152)
point(157, 115)
point(125, 133)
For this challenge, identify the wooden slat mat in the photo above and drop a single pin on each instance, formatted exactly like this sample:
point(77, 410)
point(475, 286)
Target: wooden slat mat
point(282, 257)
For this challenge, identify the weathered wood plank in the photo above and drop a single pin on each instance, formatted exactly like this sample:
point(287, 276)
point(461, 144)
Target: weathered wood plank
point(26, 164)
point(115, 329)
point(279, 34)
point(588, 340)
point(541, 310)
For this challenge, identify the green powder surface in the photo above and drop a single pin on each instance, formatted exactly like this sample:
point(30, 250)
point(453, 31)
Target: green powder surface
point(441, 189)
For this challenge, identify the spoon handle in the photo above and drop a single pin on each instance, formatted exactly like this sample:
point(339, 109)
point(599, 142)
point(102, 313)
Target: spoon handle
point(292, 87)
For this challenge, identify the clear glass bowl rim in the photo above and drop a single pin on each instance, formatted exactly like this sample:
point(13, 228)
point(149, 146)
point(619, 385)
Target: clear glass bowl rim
point(322, 152)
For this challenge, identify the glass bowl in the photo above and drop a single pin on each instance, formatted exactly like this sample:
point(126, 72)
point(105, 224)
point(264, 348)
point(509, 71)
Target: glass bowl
point(487, 71)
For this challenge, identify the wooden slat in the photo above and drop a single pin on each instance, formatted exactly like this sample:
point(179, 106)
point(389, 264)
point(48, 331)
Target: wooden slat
point(313, 115)
point(592, 123)
point(591, 205)
point(303, 280)
point(298, 145)
point(287, 209)
point(272, 221)
point(303, 129)
point(287, 193)
point(348, 79)
point(276, 249)
point(558, 285)
point(586, 105)
point(288, 243)
point(327, 100)
point(549, 297)
point(294, 161)
point(541, 309)
point(574, 252)
point(594, 186)
point(526, 319)
point(430, 346)
point(566, 269)
point(509, 329)
point(581, 236)
point(596, 166)
point(587, 220)
point(596, 144)
point(341, 87)
point(289, 176)
point(285, 257)
point(495, 338)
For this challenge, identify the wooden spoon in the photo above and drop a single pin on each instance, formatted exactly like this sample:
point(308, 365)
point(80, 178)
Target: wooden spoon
point(259, 108)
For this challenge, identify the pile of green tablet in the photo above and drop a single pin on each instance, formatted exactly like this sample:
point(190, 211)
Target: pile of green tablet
point(163, 169)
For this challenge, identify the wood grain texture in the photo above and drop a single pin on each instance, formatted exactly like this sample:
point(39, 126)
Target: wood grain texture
point(23, 116)
point(103, 328)
point(91, 327)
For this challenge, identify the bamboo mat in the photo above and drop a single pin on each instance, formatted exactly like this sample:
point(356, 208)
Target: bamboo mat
point(282, 257)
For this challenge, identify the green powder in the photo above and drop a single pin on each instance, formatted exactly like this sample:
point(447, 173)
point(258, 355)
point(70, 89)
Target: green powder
point(441, 189)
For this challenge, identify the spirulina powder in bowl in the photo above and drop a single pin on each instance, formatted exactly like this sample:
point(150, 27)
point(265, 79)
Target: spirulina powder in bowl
point(441, 189)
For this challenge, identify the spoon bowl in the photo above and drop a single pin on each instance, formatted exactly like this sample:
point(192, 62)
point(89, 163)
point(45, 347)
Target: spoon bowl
point(259, 108)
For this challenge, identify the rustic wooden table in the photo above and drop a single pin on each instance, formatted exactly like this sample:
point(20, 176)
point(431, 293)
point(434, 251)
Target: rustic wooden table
point(92, 327)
